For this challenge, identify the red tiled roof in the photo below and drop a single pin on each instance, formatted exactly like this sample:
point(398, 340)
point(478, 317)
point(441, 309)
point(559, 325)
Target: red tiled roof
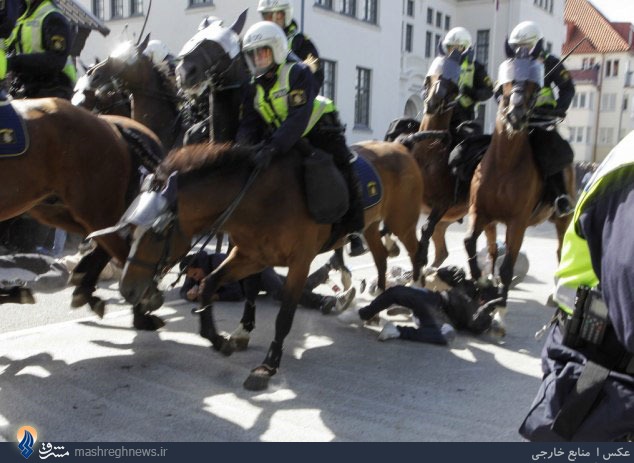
point(603, 36)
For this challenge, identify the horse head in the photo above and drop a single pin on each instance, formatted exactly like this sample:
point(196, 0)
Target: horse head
point(101, 100)
point(212, 59)
point(126, 67)
point(157, 242)
point(520, 79)
point(441, 84)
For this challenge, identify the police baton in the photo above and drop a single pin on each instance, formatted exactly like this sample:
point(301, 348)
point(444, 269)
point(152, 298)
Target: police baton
point(561, 61)
point(147, 15)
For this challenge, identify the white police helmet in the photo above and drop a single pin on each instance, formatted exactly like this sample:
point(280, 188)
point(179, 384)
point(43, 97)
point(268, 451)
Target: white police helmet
point(157, 51)
point(525, 34)
point(271, 6)
point(264, 34)
point(458, 37)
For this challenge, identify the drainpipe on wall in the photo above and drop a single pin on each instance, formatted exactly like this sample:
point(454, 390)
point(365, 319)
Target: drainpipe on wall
point(301, 27)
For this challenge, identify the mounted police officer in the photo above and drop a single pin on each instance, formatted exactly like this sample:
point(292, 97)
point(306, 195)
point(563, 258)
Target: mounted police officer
point(529, 35)
point(281, 13)
point(9, 12)
point(39, 49)
point(587, 391)
point(474, 84)
point(282, 107)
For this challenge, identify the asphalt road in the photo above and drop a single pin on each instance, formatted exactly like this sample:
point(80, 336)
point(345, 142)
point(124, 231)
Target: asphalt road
point(77, 378)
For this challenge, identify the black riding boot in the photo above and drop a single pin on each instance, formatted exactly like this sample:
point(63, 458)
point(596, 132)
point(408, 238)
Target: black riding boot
point(563, 202)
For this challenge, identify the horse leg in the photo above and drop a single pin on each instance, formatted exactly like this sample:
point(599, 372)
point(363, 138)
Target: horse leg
point(440, 245)
point(91, 266)
point(561, 225)
point(242, 334)
point(259, 378)
point(379, 253)
point(233, 268)
point(490, 231)
point(470, 244)
point(427, 230)
point(337, 263)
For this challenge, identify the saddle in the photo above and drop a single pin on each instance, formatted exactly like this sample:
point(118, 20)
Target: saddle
point(464, 159)
point(401, 126)
point(14, 139)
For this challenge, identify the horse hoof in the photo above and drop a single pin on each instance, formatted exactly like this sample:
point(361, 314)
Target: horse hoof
point(97, 306)
point(147, 322)
point(240, 338)
point(26, 296)
point(75, 279)
point(223, 344)
point(259, 378)
point(346, 279)
point(79, 300)
point(394, 250)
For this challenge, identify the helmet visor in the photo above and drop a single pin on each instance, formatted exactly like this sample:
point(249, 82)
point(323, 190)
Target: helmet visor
point(521, 70)
point(260, 60)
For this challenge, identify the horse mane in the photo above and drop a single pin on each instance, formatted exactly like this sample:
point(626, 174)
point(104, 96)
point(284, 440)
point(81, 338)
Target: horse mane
point(167, 82)
point(203, 160)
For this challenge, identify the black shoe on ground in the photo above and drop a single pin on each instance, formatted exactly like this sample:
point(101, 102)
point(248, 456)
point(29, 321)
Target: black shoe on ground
point(563, 206)
point(327, 304)
point(356, 246)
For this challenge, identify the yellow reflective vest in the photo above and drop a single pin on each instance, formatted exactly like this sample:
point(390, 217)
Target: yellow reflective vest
point(467, 72)
point(575, 268)
point(273, 105)
point(30, 40)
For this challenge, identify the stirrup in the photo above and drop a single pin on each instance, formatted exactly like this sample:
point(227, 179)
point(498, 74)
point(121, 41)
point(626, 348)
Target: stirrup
point(563, 206)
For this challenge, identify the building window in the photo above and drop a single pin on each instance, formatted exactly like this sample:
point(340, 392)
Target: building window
point(482, 47)
point(369, 11)
point(606, 134)
point(437, 39)
point(136, 7)
point(430, 16)
point(410, 8)
point(98, 8)
point(116, 9)
point(608, 102)
point(201, 2)
point(324, 4)
point(576, 134)
point(447, 22)
point(580, 100)
point(587, 63)
point(409, 38)
point(544, 4)
point(330, 68)
point(428, 44)
point(362, 100)
point(349, 7)
point(612, 68)
point(438, 19)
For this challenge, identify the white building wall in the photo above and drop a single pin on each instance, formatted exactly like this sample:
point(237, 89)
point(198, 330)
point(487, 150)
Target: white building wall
point(397, 76)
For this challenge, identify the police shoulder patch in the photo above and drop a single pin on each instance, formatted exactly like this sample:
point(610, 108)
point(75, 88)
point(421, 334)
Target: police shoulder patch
point(58, 42)
point(297, 98)
point(565, 75)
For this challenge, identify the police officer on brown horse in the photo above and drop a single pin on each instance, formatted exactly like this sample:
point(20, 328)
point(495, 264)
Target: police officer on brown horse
point(281, 107)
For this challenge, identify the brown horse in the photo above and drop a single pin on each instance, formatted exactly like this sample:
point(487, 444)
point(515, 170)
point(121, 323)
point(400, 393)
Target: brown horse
point(431, 148)
point(507, 186)
point(78, 173)
point(270, 226)
point(103, 100)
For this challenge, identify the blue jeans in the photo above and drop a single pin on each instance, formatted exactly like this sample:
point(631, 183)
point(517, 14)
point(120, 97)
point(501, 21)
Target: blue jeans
point(422, 302)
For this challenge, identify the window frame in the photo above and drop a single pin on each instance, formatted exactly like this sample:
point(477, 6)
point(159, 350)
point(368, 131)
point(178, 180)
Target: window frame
point(329, 88)
point(363, 90)
point(116, 6)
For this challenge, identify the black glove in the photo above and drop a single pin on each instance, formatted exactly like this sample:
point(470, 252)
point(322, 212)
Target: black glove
point(466, 90)
point(262, 157)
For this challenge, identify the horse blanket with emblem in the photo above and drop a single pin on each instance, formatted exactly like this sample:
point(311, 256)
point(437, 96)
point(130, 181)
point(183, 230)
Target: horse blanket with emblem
point(369, 181)
point(14, 139)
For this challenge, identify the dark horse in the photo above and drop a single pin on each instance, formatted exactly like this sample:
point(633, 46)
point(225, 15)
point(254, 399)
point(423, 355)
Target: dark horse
point(103, 100)
point(154, 99)
point(78, 173)
point(507, 186)
point(431, 148)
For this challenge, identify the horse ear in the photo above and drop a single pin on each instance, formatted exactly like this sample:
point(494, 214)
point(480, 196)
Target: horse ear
point(510, 53)
point(238, 25)
point(143, 45)
point(169, 191)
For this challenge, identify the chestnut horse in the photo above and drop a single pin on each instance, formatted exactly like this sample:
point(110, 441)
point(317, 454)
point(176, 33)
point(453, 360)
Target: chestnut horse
point(270, 226)
point(431, 148)
point(507, 186)
point(78, 173)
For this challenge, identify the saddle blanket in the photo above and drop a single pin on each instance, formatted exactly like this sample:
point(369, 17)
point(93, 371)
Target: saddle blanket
point(369, 180)
point(14, 139)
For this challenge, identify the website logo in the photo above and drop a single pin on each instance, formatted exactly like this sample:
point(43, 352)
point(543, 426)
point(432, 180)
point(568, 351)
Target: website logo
point(27, 435)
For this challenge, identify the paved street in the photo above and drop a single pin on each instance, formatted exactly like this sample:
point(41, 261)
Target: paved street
point(77, 378)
